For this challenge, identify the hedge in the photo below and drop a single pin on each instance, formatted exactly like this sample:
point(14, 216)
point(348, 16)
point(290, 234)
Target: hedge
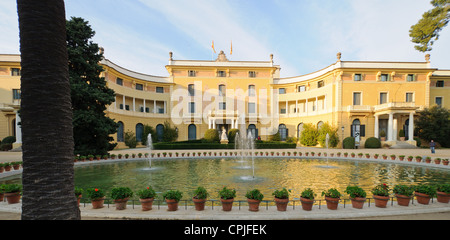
point(349, 143)
point(200, 145)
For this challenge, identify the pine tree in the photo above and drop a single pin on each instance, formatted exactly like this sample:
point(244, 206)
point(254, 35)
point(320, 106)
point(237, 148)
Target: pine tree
point(90, 95)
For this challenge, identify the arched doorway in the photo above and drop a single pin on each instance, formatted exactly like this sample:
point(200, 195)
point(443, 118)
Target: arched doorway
point(192, 132)
point(283, 132)
point(253, 130)
point(120, 128)
point(160, 132)
point(299, 130)
point(356, 130)
point(139, 132)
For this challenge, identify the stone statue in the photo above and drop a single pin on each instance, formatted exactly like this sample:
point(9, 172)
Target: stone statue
point(223, 137)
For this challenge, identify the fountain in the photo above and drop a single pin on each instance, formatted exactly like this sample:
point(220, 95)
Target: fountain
point(246, 146)
point(150, 148)
point(327, 140)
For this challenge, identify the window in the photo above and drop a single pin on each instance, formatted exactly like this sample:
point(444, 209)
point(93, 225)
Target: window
point(191, 90)
point(251, 90)
point(160, 110)
point(301, 88)
point(410, 78)
point(438, 101)
point(147, 110)
point(191, 73)
point(409, 97)
point(15, 71)
point(251, 108)
point(357, 77)
point(283, 132)
point(160, 132)
point(119, 81)
point(121, 106)
point(383, 98)
point(127, 107)
point(384, 77)
point(192, 132)
point(221, 74)
point(282, 90)
point(357, 130)
point(222, 106)
point(439, 83)
point(252, 129)
point(191, 107)
point(139, 132)
point(320, 84)
point(356, 98)
point(160, 89)
point(282, 110)
point(251, 74)
point(222, 90)
point(139, 86)
point(16, 94)
point(120, 132)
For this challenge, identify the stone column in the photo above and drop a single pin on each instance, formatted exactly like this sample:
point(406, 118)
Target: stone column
point(18, 130)
point(390, 126)
point(411, 127)
point(376, 127)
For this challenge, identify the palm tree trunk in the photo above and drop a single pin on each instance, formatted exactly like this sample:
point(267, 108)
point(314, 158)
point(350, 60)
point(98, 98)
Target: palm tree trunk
point(48, 174)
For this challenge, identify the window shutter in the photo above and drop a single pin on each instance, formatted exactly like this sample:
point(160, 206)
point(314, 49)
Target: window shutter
point(362, 130)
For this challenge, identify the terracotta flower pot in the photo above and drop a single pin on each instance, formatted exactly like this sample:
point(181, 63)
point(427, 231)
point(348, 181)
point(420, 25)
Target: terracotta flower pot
point(307, 203)
point(253, 205)
point(146, 203)
point(358, 202)
point(120, 204)
point(172, 204)
point(443, 197)
point(227, 204)
point(97, 203)
point(422, 198)
point(403, 200)
point(12, 198)
point(281, 203)
point(78, 200)
point(199, 204)
point(381, 201)
point(332, 203)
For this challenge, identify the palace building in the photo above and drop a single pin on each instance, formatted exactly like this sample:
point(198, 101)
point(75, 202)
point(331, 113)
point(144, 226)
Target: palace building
point(361, 98)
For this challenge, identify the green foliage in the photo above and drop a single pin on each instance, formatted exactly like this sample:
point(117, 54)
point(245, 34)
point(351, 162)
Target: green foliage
point(78, 191)
point(173, 194)
point(12, 188)
point(226, 193)
point(349, 143)
point(95, 193)
point(90, 95)
point(381, 190)
point(332, 193)
point(372, 142)
point(211, 135)
point(149, 129)
point(426, 31)
point(401, 133)
point(146, 193)
point(426, 189)
point(121, 193)
point(309, 135)
point(332, 132)
point(355, 191)
point(9, 139)
point(403, 190)
point(434, 124)
point(443, 188)
point(130, 139)
point(382, 133)
point(232, 134)
point(281, 194)
point(170, 133)
point(254, 194)
point(201, 193)
point(275, 137)
point(308, 193)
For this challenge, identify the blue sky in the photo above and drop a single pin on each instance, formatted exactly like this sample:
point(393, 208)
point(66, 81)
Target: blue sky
point(303, 35)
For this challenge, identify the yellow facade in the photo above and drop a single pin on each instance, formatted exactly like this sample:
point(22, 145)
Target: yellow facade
point(362, 99)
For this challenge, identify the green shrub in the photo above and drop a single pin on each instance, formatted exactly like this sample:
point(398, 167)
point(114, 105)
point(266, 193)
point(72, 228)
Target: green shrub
point(281, 194)
point(170, 133)
point(130, 140)
point(121, 193)
point(146, 193)
point(201, 193)
point(173, 194)
point(254, 194)
point(349, 143)
point(426, 189)
point(372, 142)
point(95, 193)
point(418, 141)
point(403, 190)
point(332, 193)
point(212, 135)
point(332, 132)
point(226, 193)
point(308, 193)
point(401, 133)
point(309, 135)
point(232, 134)
point(9, 139)
point(355, 191)
point(275, 137)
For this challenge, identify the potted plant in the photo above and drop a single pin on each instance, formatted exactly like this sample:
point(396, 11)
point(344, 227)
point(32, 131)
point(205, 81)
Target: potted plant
point(360, 155)
point(382, 135)
point(119, 156)
point(82, 158)
point(345, 154)
point(2, 167)
point(120, 195)
point(332, 197)
point(401, 157)
point(307, 199)
point(281, 198)
point(384, 156)
point(353, 154)
point(7, 166)
point(392, 156)
point(90, 157)
point(127, 155)
point(401, 135)
point(16, 165)
point(443, 193)
point(428, 159)
point(403, 194)
point(437, 160)
point(12, 193)
point(105, 157)
point(139, 155)
point(367, 155)
point(381, 195)
point(410, 158)
point(146, 197)
point(376, 155)
point(357, 196)
point(98, 157)
point(445, 162)
point(254, 197)
point(312, 153)
point(424, 192)
point(199, 198)
point(227, 197)
point(418, 158)
point(97, 197)
point(338, 154)
point(172, 198)
point(78, 194)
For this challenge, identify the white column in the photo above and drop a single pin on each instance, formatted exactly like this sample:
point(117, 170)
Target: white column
point(123, 101)
point(144, 105)
point(209, 123)
point(376, 127)
point(236, 125)
point(134, 104)
point(306, 106)
point(18, 129)
point(214, 124)
point(154, 106)
point(165, 107)
point(411, 127)
point(287, 108)
point(390, 125)
point(395, 130)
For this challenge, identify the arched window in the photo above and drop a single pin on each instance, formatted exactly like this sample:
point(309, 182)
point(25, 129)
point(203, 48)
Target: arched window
point(283, 132)
point(319, 125)
point(222, 90)
point(120, 132)
point(160, 132)
point(299, 130)
point(192, 132)
point(139, 132)
point(253, 130)
point(358, 130)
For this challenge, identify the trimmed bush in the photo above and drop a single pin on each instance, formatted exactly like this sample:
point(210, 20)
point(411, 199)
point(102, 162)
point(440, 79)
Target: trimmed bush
point(232, 134)
point(372, 142)
point(212, 135)
point(309, 135)
point(349, 143)
point(332, 132)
